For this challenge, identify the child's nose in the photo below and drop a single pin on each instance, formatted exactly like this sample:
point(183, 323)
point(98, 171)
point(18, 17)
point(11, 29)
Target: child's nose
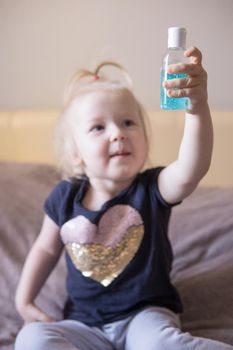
point(117, 135)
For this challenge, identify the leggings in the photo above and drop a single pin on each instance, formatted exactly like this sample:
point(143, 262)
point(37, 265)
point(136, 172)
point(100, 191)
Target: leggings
point(154, 328)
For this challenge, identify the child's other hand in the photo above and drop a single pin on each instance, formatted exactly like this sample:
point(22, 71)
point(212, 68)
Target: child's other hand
point(32, 313)
point(194, 85)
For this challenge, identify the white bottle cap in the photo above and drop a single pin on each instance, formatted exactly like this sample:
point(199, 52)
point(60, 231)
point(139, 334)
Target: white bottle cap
point(176, 37)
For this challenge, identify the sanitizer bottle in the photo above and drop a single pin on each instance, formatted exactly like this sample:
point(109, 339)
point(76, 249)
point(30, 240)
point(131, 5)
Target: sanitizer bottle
point(174, 54)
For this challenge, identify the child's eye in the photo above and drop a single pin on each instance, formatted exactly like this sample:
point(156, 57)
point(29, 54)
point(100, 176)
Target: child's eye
point(97, 128)
point(129, 122)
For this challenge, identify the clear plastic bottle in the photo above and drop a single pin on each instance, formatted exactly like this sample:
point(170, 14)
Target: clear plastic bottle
point(174, 54)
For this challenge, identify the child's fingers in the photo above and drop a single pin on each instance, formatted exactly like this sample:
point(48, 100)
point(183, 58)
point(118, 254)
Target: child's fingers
point(181, 83)
point(43, 317)
point(194, 54)
point(36, 314)
point(185, 68)
point(193, 68)
point(188, 92)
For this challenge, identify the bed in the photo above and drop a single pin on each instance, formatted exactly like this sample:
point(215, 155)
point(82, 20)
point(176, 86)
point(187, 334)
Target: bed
point(201, 228)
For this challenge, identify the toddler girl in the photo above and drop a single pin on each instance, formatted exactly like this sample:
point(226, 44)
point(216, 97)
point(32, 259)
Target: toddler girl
point(112, 217)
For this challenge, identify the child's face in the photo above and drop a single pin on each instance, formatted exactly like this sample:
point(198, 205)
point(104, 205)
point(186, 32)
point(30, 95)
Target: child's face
point(110, 135)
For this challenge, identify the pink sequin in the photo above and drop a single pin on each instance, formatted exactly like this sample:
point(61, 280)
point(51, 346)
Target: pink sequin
point(111, 229)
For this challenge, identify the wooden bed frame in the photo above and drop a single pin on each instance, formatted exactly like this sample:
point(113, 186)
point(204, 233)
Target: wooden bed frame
point(26, 136)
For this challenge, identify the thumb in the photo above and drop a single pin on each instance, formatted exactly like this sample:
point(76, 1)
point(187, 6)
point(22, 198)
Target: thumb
point(194, 54)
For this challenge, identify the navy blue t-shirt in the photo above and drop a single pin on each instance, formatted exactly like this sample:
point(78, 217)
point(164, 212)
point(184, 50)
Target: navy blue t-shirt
point(119, 257)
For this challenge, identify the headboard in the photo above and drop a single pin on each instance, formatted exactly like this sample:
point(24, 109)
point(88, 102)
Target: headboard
point(26, 136)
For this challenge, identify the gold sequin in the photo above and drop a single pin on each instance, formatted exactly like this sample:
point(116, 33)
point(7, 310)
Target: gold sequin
point(104, 263)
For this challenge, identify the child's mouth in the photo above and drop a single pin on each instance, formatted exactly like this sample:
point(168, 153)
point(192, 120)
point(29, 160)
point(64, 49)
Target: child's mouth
point(120, 154)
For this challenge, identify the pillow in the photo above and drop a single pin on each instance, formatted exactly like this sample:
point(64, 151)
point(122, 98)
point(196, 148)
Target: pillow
point(201, 232)
point(23, 189)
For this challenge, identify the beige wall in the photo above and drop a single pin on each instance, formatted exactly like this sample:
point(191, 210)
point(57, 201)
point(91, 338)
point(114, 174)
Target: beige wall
point(27, 136)
point(43, 41)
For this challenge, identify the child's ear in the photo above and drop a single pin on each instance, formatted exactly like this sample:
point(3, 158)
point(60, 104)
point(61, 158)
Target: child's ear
point(77, 160)
point(78, 165)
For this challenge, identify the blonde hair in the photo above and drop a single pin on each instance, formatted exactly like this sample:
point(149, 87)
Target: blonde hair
point(85, 81)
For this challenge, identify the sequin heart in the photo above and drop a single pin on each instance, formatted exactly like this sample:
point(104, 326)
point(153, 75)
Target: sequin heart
point(103, 251)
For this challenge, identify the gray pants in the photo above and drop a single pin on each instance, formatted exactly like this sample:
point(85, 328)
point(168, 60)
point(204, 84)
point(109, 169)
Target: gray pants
point(154, 328)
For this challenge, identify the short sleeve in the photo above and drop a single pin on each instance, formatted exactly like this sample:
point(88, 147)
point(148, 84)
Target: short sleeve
point(152, 184)
point(54, 204)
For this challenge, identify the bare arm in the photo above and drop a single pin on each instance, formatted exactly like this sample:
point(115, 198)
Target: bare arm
point(41, 259)
point(182, 176)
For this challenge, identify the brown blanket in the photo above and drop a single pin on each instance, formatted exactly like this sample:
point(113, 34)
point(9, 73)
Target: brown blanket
point(201, 232)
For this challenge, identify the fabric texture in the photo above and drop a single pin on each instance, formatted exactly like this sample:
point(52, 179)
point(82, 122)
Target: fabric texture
point(153, 328)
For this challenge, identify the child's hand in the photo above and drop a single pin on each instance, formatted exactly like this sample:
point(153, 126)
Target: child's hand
point(194, 86)
point(32, 313)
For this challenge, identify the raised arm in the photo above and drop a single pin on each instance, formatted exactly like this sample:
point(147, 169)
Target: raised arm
point(41, 259)
point(181, 177)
